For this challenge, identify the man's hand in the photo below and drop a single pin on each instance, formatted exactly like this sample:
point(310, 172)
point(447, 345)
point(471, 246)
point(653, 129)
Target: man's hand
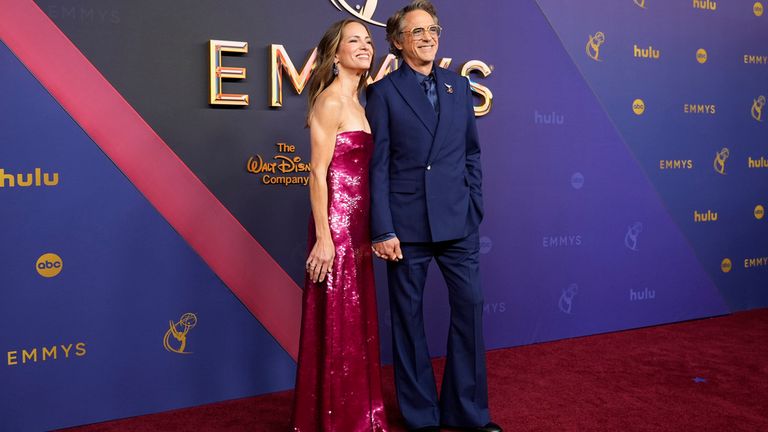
point(388, 249)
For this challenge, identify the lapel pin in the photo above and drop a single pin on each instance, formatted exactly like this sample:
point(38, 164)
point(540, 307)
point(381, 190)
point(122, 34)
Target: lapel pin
point(448, 88)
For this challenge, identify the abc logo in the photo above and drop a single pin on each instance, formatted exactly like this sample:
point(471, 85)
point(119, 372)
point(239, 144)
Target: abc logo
point(49, 265)
point(701, 55)
point(726, 265)
point(577, 180)
point(638, 106)
point(485, 245)
point(758, 9)
point(759, 212)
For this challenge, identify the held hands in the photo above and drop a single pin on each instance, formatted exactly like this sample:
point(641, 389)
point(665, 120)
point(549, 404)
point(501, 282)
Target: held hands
point(320, 260)
point(388, 249)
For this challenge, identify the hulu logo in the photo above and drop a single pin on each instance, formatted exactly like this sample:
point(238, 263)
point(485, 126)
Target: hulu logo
point(37, 178)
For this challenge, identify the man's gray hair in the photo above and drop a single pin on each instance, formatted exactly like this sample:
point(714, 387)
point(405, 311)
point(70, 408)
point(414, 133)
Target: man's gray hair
point(395, 22)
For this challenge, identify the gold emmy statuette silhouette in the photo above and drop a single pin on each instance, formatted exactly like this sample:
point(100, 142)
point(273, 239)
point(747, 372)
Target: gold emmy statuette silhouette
point(593, 45)
point(364, 12)
point(178, 331)
point(757, 108)
point(720, 158)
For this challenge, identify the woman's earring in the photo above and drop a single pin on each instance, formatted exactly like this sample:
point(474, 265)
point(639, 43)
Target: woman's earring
point(335, 70)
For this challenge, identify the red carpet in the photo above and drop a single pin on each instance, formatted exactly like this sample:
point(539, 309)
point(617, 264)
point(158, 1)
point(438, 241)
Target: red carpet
point(704, 375)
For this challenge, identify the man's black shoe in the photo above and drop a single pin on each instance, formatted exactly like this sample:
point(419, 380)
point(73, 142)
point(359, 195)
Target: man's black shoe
point(490, 427)
point(426, 429)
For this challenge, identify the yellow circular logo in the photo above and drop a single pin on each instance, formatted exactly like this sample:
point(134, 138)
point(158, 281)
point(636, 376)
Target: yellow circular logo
point(49, 265)
point(759, 212)
point(726, 265)
point(758, 9)
point(638, 106)
point(701, 55)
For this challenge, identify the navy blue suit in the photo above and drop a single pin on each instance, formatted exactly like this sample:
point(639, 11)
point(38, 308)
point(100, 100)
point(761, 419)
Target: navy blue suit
point(426, 188)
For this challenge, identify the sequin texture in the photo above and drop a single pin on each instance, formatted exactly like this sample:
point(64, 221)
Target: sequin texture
point(338, 377)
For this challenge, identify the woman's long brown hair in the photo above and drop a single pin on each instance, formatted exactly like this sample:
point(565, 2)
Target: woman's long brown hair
point(323, 75)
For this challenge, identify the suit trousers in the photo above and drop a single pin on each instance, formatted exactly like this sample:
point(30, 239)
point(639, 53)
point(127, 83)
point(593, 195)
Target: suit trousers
point(464, 393)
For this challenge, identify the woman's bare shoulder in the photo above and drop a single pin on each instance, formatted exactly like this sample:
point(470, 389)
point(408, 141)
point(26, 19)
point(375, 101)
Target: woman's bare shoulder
point(329, 99)
point(328, 110)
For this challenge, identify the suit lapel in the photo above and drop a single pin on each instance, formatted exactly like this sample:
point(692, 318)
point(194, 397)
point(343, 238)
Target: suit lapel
point(447, 96)
point(414, 96)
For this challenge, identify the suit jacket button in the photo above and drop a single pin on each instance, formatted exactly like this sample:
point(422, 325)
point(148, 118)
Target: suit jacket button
point(429, 167)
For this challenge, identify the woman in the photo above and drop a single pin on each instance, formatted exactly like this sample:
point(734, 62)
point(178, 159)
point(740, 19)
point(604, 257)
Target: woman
point(338, 379)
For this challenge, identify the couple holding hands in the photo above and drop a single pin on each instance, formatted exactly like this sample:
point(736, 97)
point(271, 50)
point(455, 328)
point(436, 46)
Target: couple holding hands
point(399, 179)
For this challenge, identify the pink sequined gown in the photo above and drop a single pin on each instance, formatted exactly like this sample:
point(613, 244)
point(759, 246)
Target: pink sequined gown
point(338, 378)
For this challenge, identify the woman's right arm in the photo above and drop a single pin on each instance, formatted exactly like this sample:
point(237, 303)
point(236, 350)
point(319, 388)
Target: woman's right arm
point(324, 122)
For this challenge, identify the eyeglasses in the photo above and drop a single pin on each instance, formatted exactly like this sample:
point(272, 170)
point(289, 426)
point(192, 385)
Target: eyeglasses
point(418, 32)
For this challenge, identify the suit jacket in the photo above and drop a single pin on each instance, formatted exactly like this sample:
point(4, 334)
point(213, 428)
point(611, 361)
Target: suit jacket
point(425, 175)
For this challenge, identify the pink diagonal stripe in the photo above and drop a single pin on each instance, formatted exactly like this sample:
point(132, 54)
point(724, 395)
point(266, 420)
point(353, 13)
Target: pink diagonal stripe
point(183, 200)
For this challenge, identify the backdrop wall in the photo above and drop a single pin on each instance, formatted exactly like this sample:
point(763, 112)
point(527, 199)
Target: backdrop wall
point(151, 262)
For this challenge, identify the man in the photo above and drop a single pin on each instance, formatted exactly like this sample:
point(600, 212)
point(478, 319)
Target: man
point(426, 202)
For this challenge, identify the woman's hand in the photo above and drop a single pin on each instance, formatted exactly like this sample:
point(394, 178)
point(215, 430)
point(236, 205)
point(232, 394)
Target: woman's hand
point(320, 260)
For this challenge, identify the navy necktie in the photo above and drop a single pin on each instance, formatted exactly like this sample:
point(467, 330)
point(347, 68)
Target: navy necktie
point(431, 90)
